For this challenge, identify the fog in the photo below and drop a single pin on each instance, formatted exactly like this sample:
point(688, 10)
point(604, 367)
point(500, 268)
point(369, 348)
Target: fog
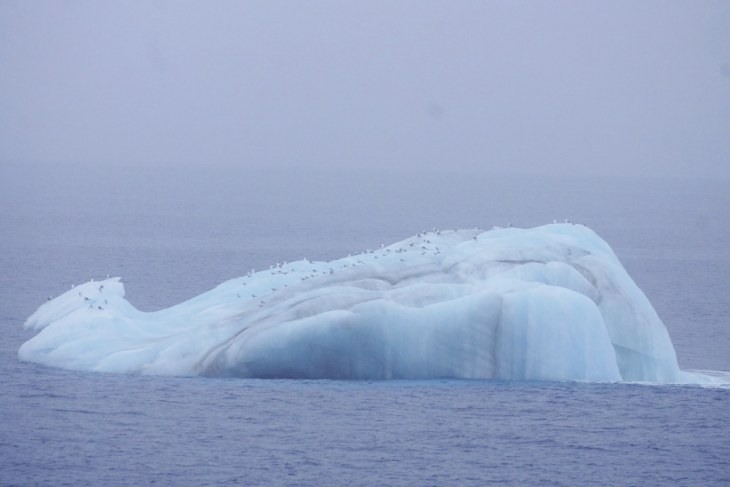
point(606, 88)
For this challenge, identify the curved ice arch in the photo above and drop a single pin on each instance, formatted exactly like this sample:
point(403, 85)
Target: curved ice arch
point(550, 303)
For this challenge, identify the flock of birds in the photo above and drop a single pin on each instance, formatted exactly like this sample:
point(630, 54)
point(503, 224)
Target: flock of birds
point(306, 269)
point(421, 243)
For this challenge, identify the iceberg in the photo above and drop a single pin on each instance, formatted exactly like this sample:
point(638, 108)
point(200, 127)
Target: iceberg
point(547, 303)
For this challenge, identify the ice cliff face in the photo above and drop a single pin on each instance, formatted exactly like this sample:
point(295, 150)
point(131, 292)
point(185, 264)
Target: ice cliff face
point(549, 303)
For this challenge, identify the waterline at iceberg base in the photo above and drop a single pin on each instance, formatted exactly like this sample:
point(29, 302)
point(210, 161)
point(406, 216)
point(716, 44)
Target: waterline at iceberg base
point(548, 303)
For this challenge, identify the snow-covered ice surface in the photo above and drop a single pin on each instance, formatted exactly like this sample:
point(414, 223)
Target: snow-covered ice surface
point(548, 303)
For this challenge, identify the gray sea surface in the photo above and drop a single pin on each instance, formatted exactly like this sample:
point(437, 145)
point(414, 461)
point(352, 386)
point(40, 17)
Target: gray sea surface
point(174, 232)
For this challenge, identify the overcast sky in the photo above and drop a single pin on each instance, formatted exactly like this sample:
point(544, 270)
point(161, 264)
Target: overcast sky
point(609, 87)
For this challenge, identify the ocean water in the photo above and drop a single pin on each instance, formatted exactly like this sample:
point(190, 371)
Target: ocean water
point(172, 233)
